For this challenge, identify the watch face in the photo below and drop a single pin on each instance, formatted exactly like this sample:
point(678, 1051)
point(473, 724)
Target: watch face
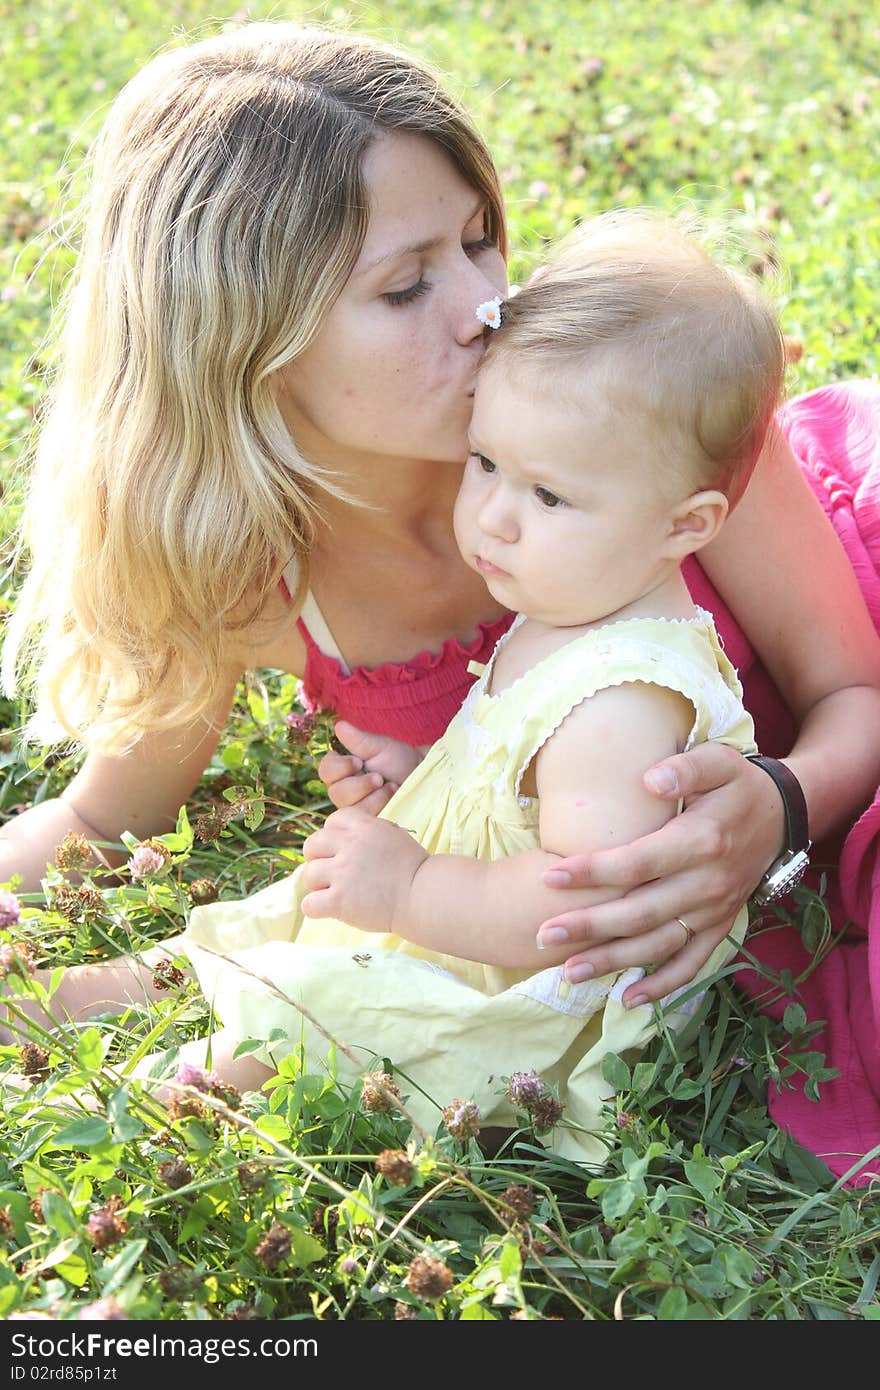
point(783, 877)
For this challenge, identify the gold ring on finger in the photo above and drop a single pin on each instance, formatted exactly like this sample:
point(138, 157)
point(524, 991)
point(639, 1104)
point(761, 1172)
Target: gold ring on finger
point(688, 931)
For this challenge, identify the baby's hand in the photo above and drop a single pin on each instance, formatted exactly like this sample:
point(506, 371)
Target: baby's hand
point(360, 870)
point(370, 778)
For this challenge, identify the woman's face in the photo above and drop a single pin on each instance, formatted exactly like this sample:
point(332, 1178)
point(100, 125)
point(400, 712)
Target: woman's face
point(392, 369)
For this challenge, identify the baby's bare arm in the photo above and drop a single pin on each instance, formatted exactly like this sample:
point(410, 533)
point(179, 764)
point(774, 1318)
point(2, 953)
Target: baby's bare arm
point(591, 793)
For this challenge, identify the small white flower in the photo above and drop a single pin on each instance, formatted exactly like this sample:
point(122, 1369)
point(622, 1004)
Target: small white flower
point(489, 313)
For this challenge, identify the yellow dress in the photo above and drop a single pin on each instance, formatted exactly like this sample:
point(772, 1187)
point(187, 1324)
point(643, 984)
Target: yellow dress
point(452, 1027)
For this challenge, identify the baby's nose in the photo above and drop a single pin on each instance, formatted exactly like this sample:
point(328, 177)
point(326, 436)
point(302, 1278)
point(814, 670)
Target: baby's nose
point(497, 516)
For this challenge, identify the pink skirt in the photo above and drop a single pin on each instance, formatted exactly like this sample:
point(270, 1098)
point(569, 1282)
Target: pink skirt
point(835, 433)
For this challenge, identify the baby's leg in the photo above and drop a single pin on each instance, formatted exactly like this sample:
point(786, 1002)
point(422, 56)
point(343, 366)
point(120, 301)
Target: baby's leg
point(86, 990)
point(212, 1054)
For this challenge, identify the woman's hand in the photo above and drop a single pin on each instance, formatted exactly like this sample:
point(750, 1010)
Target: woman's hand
point(372, 775)
point(700, 867)
point(360, 870)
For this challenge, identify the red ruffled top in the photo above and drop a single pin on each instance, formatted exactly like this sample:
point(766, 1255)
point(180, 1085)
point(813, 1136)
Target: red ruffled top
point(411, 700)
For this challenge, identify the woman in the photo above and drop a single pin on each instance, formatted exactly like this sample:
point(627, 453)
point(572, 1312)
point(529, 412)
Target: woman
point(268, 367)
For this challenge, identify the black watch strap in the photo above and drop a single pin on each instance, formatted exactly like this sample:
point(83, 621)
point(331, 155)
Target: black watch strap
point(797, 824)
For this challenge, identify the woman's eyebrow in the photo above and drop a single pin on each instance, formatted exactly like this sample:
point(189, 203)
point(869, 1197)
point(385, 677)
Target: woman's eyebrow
point(415, 248)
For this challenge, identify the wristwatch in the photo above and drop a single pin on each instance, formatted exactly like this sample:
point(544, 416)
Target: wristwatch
point(788, 870)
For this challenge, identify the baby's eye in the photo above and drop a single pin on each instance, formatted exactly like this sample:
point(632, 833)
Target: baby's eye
point(485, 464)
point(408, 295)
point(547, 498)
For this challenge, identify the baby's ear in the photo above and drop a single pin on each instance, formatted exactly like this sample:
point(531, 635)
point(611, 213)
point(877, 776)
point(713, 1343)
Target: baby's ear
point(696, 521)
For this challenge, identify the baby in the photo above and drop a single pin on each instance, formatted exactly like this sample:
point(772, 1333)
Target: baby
point(619, 412)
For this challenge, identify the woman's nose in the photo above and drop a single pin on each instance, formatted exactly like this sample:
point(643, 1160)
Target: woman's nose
point(475, 288)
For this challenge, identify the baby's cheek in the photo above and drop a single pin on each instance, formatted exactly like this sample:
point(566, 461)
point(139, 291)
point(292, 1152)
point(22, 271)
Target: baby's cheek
point(463, 514)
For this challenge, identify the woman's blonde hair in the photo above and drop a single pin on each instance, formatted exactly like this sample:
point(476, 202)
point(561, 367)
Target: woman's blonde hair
point(679, 334)
point(227, 209)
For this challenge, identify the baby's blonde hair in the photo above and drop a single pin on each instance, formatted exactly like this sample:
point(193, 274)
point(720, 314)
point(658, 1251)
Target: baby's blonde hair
point(693, 342)
point(227, 210)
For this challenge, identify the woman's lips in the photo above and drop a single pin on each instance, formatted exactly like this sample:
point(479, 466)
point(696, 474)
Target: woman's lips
point(486, 567)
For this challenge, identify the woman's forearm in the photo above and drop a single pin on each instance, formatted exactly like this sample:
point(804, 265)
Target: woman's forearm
point(836, 757)
point(140, 791)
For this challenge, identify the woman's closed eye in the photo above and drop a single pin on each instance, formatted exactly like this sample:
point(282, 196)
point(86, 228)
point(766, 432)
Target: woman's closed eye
point(485, 243)
point(407, 296)
point(422, 286)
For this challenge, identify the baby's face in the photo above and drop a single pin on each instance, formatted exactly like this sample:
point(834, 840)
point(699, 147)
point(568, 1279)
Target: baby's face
point(558, 509)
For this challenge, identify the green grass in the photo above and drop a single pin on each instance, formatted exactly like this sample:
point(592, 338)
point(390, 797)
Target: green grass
point(705, 1210)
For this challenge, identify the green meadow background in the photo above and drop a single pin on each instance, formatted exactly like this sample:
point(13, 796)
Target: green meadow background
point(769, 112)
